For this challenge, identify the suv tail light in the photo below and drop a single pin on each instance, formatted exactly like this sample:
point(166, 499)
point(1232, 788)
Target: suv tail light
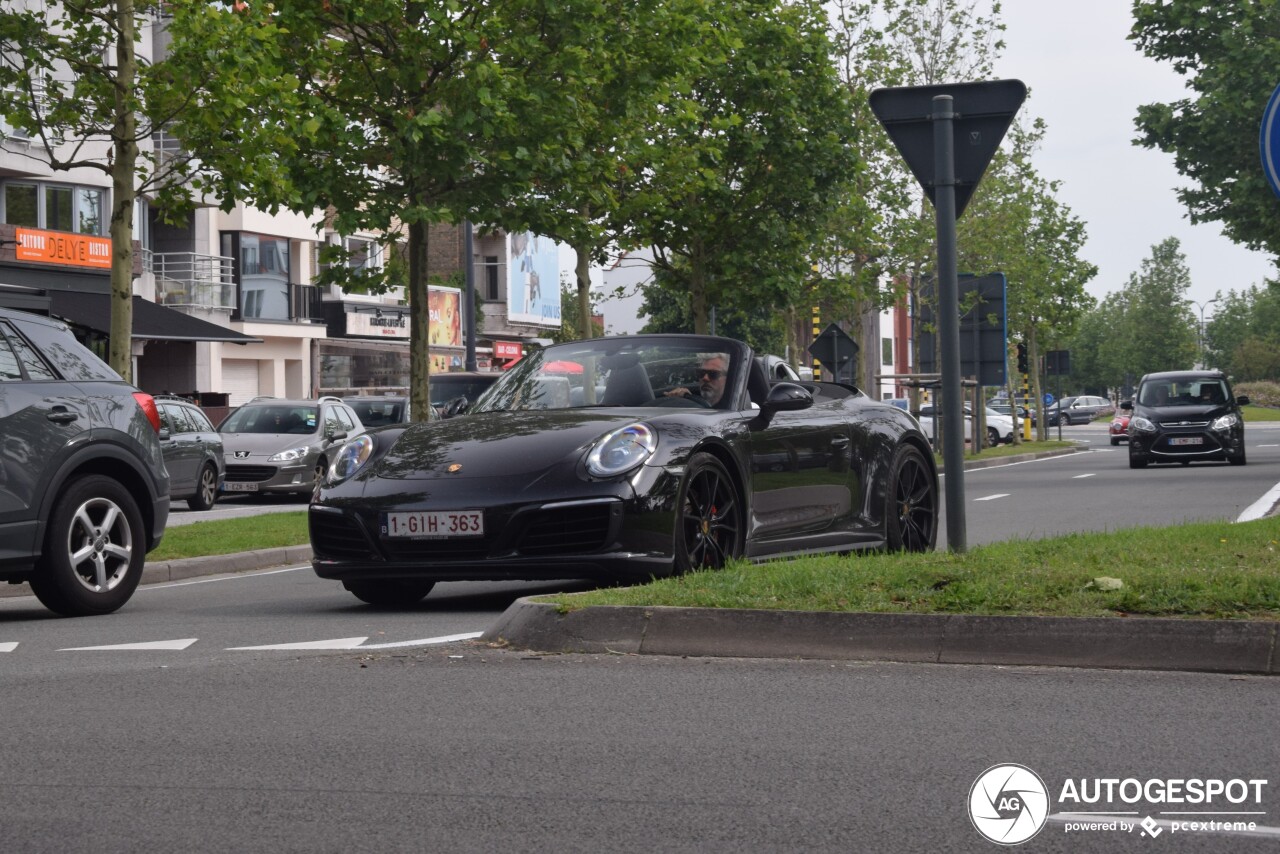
point(148, 405)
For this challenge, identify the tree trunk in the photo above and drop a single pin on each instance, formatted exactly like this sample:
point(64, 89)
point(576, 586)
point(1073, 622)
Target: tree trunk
point(582, 271)
point(124, 161)
point(420, 324)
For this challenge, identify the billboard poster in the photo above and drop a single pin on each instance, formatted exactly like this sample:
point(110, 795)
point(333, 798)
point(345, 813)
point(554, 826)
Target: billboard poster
point(533, 280)
point(444, 308)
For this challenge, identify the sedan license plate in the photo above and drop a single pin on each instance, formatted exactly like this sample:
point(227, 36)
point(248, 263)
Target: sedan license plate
point(239, 487)
point(1186, 440)
point(436, 524)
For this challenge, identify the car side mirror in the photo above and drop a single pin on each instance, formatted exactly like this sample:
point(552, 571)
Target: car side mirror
point(786, 397)
point(455, 407)
point(164, 434)
point(1127, 406)
point(336, 435)
point(1243, 400)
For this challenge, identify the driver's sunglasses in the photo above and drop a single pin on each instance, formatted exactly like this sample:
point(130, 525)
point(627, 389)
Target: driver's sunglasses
point(712, 375)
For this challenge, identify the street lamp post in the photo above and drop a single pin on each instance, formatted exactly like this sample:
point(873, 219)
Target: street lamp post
point(1200, 331)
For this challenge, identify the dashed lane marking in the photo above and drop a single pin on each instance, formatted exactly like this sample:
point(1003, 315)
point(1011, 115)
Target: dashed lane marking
point(8, 646)
point(1077, 477)
point(181, 643)
point(993, 497)
point(359, 643)
point(336, 643)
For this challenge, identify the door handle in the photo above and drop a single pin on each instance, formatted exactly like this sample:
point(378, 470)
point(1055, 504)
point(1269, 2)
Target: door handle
point(59, 415)
point(840, 442)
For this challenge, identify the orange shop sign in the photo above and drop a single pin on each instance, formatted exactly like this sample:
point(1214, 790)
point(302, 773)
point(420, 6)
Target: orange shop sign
point(61, 247)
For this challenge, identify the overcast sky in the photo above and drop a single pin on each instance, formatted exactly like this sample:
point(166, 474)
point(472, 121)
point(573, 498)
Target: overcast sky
point(1086, 81)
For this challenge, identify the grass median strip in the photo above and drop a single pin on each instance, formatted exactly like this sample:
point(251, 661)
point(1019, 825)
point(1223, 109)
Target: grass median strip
point(228, 536)
point(1214, 570)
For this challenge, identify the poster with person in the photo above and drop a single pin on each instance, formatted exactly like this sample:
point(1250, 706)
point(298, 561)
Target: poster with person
point(533, 279)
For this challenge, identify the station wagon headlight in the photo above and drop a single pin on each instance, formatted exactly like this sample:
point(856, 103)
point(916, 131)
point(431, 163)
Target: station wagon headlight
point(289, 456)
point(350, 458)
point(622, 450)
point(1141, 424)
point(1226, 422)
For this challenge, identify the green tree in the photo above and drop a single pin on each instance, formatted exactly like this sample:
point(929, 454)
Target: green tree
point(1018, 226)
point(1243, 337)
point(570, 330)
point(668, 310)
point(405, 114)
point(71, 78)
point(1162, 334)
point(735, 199)
point(643, 66)
point(1228, 52)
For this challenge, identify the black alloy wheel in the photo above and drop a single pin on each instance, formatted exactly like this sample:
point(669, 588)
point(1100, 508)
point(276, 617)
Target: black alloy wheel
point(206, 489)
point(993, 437)
point(911, 511)
point(709, 529)
point(93, 551)
point(391, 592)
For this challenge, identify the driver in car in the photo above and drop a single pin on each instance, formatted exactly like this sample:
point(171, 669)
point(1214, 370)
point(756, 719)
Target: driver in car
point(712, 373)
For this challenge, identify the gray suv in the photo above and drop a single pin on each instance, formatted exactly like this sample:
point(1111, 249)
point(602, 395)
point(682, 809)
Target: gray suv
point(273, 445)
point(84, 493)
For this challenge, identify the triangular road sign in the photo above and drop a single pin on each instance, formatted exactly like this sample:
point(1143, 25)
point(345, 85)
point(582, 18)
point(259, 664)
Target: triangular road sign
point(983, 112)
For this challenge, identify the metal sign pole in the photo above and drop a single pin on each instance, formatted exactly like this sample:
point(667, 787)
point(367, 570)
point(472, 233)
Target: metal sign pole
point(944, 201)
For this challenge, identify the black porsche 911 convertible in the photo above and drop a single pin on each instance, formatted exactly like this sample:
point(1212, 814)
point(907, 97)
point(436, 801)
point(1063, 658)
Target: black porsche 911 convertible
point(619, 459)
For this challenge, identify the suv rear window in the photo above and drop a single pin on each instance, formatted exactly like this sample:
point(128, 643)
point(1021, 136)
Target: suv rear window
point(70, 358)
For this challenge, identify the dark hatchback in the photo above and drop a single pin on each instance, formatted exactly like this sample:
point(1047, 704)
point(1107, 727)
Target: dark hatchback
point(1183, 417)
point(84, 493)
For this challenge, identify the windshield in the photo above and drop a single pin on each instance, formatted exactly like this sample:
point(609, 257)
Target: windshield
point(1187, 392)
point(630, 371)
point(298, 419)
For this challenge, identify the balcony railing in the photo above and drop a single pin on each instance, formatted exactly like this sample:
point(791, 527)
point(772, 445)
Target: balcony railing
point(306, 303)
point(186, 278)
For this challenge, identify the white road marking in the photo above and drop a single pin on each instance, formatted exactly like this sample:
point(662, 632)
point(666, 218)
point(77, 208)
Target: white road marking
point(424, 641)
point(1267, 446)
point(337, 643)
point(1079, 476)
point(8, 646)
point(181, 643)
point(1261, 507)
point(993, 497)
point(359, 643)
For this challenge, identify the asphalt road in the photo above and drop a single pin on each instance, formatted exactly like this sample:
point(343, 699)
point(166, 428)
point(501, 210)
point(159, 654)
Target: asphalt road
point(273, 712)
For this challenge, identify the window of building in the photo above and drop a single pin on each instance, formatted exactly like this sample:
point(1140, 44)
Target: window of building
point(365, 254)
point(491, 278)
point(886, 351)
point(263, 273)
point(56, 207)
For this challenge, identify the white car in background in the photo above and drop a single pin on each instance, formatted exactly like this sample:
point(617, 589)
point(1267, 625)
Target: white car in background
point(999, 426)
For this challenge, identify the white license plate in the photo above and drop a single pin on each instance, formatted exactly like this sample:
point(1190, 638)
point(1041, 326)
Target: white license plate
point(436, 524)
point(1187, 440)
point(239, 487)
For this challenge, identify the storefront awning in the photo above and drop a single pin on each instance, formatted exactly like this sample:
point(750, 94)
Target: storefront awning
point(150, 321)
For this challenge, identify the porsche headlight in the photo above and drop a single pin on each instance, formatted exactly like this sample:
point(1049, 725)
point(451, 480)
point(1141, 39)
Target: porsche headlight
point(622, 450)
point(1141, 424)
point(290, 456)
point(1226, 422)
point(350, 458)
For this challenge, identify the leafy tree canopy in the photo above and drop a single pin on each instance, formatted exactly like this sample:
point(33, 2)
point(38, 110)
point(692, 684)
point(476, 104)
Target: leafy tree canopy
point(1229, 53)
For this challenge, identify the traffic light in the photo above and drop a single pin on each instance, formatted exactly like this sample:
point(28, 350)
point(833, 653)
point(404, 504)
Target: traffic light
point(1022, 358)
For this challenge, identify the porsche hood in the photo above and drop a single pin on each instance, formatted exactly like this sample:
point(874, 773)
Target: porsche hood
point(496, 444)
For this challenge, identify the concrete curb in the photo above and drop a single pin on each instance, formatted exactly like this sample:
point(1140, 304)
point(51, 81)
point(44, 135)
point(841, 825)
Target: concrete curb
point(1120, 643)
point(181, 570)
